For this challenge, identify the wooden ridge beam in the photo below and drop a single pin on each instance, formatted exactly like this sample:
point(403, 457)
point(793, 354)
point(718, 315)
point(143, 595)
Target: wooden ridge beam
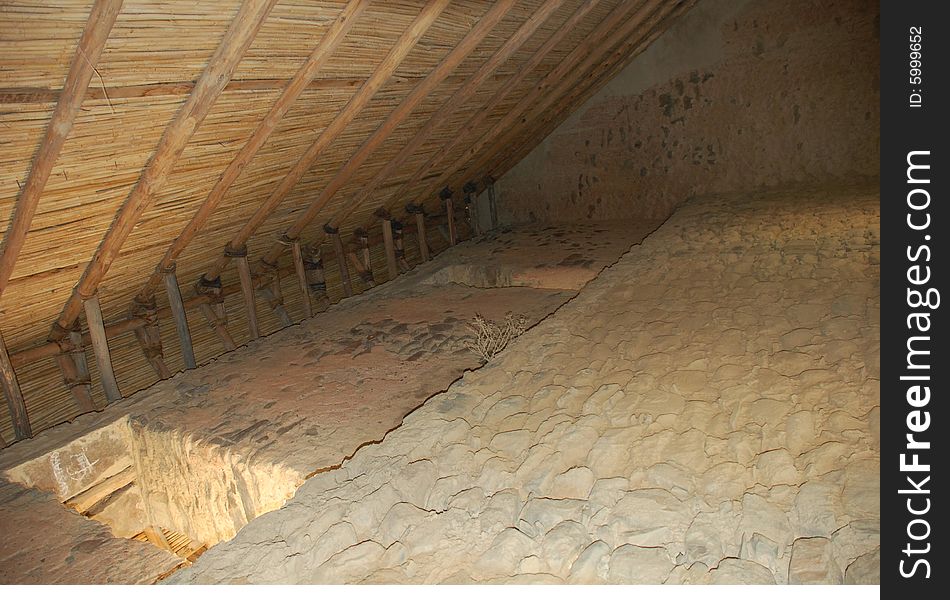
point(595, 74)
point(292, 90)
point(479, 118)
point(380, 76)
point(455, 101)
point(88, 50)
point(241, 32)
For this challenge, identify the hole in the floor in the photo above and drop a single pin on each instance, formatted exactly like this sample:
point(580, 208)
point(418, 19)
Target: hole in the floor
point(152, 484)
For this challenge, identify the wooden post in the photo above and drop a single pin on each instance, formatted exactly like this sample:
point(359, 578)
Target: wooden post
point(361, 262)
point(334, 234)
point(391, 265)
point(446, 196)
point(492, 202)
point(100, 347)
point(11, 389)
point(247, 287)
point(179, 131)
point(214, 311)
point(93, 40)
point(313, 265)
point(302, 279)
point(270, 289)
point(149, 336)
point(181, 319)
point(471, 207)
point(416, 211)
point(75, 370)
point(398, 242)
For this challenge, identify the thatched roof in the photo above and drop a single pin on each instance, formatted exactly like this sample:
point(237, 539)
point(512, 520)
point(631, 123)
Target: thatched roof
point(162, 112)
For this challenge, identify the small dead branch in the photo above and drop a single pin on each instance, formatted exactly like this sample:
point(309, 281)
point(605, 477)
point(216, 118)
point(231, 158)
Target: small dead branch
point(491, 338)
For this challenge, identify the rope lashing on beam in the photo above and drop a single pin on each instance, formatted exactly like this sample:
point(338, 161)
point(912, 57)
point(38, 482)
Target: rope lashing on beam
point(313, 266)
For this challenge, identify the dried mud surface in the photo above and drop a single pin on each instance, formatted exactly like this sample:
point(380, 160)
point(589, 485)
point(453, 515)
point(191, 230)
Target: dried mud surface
point(216, 447)
point(705, 411)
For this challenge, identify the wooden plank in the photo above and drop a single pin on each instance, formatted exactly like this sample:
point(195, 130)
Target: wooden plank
point(13, 394)
point(88, 50)
point(302, 279)
point(445, 67)
point(237, 39)
point(88, 498)
point(448, 108)
point(247, 288)
point(476, 123)
point(353, 108)
point(177, 306)
point(100, 347)
point(334, 235)
point(291, 92)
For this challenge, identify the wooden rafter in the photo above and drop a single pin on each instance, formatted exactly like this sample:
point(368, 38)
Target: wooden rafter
point(448, 64)
point(614, 48)
point(237, 39)
point(292, 90)
point(461, 95)
point(349, 112)
point(624, 17)
point(479, 118)
point(580, 94)
point(88, 50)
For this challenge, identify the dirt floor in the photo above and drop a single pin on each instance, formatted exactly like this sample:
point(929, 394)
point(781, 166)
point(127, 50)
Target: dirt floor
point(705, 411)
point(202, 454)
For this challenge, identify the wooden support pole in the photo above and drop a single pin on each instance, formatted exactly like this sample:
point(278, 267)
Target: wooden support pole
point(179, 131)
point(302, 279)
point(218, 324)
point(316, 277)
point(270, 289)
point(177, 305)
point(152, 352)
point(362, 262)
point(213, 311)
point(492, 201)
point(247, 288)
point(334, 234)
point(101, 19)
point(75, 370)
point(302, 79)
point(380, 76)
point(475, 125)
point(399, 243)
point(13, 394)
point(100, 347)
point(449, 215)
point(471, 208)
point(416, 211)
point(387, 224)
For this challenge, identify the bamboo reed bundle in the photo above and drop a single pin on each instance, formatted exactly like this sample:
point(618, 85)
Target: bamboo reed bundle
point(155, 53)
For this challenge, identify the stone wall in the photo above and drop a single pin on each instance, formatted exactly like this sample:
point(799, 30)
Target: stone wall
point(736, 96)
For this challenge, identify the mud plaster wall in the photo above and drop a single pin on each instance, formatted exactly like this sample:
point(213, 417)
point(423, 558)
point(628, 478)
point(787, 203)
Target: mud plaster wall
point(737, 95)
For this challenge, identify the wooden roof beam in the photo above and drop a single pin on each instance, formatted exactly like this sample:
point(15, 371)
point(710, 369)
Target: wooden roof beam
point(88, 50)
point(564, 67)
point(448, 64)
point(380, 75)
point(549, 90)
point(461, 95)
point(553, 108)
point(237, 39)
point(292, 90)
point(579, 96)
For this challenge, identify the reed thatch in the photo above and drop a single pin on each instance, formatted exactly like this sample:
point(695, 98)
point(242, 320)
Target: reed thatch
point(152, 63)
